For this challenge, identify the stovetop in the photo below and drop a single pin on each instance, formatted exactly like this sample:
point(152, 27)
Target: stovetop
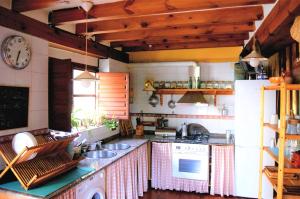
point(199, 138)
point(212, 139)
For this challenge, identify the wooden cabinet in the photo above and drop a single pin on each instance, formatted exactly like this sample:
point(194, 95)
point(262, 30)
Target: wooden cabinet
point(113, 95)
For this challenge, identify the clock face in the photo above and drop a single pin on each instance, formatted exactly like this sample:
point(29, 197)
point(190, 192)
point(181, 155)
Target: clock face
point(16, 52)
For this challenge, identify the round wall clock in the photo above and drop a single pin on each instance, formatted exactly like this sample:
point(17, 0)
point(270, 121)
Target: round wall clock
point(16, 52)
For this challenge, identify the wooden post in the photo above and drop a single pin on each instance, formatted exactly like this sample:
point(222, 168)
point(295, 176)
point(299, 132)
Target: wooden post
point(262, 105)
point(283, 101)
point(294, 102)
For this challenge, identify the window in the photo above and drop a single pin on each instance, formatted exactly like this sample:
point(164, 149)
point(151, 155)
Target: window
point(84, 101)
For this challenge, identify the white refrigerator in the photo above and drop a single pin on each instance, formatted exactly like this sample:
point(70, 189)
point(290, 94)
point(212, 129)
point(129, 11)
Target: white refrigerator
point(247, 137)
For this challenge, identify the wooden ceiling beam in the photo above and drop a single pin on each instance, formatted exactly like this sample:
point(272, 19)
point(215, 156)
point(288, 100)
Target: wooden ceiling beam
point(177, 31)
point(173, 46)
point(274, 32)
point(224, 15)
point(28, 5)
point(57, 37)
point(129, 8)
point(181, 39)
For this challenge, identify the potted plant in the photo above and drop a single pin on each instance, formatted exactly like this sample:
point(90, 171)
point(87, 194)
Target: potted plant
point(75, 121)
point(110, 123)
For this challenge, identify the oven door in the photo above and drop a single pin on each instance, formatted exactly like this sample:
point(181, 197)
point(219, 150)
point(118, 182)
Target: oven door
point(190, 166)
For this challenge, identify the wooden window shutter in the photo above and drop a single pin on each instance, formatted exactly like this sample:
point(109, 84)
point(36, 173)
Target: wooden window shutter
point(60, 94)
point(113, 95)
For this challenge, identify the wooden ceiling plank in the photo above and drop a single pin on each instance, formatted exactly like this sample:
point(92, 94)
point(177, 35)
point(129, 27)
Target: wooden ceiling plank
point(194, 30)
point(28, 5)
point(275, 27)
point(55, 36)
point(225, 15)
point(144, 7)
point(173, 46)
point(181, 39)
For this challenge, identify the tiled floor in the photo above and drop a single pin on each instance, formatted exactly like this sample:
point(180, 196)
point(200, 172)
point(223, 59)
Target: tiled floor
point(154, 194)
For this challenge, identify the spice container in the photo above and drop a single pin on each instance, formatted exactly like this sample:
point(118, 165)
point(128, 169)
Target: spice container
point(209, 84)
point(162, 84)
point(173, 84)
point(156, 84)
point(203, 85)
point(185, 84)
point(179, 84)
point(168, 84)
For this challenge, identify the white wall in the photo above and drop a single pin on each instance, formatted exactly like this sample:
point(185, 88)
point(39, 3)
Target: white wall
point(34, 76)
point(117, 66)
point(179, 71)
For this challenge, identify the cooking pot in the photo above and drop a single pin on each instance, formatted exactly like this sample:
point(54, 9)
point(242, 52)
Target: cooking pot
point(196, 129)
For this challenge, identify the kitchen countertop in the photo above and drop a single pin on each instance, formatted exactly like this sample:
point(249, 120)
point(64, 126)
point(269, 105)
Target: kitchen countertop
point(134, 142)
point(97, 164)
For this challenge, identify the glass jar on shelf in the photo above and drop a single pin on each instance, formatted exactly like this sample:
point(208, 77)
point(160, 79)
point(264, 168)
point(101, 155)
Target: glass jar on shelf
point(167, 84)
point(162, 84)
point(156, 84)
point(203, 84)
point(185, 84)
point(209, 84)
point(215, 84)
point(179, 84)
point(173, 84)
point(222, 85)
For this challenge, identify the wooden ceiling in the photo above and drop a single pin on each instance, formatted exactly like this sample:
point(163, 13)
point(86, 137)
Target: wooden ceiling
point(142, 25)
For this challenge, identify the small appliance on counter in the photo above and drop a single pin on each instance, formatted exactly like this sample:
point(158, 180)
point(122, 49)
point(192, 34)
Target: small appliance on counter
point(167, 132)
point(162, 122)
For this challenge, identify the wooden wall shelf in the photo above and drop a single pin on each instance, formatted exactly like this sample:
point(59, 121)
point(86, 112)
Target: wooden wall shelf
point(205, 91)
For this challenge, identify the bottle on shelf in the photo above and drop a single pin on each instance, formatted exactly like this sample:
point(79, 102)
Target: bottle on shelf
point(194, 84)
point(198, 83)
point(190, 82)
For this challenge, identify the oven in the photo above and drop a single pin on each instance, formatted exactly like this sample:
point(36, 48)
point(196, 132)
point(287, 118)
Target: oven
point(190, 161)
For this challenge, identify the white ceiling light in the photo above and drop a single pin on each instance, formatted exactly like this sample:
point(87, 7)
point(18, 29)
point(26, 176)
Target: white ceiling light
point(255, 57)
point(86, 78)
point(86, 5)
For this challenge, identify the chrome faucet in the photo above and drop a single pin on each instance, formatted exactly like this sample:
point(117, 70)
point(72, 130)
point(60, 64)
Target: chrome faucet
point(99, 145)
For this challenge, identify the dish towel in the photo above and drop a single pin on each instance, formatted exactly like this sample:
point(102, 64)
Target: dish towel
point(222, 170)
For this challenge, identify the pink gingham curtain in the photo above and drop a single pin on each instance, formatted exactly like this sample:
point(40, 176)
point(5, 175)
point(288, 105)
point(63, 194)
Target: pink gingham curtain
point(222, 170)
point(127, 178)
point(69, 194)
point(162, 172)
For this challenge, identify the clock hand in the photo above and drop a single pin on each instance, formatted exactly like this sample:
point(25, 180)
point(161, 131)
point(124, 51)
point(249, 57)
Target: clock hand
point(18, 56)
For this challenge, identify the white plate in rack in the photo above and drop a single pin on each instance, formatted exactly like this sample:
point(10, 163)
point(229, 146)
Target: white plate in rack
point(22, 140)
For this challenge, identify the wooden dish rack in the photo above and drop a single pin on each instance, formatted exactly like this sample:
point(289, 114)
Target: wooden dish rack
point(51, 160)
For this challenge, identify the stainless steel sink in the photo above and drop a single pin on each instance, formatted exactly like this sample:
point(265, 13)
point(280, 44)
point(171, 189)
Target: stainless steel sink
point(116, 146)
point(100, 154)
